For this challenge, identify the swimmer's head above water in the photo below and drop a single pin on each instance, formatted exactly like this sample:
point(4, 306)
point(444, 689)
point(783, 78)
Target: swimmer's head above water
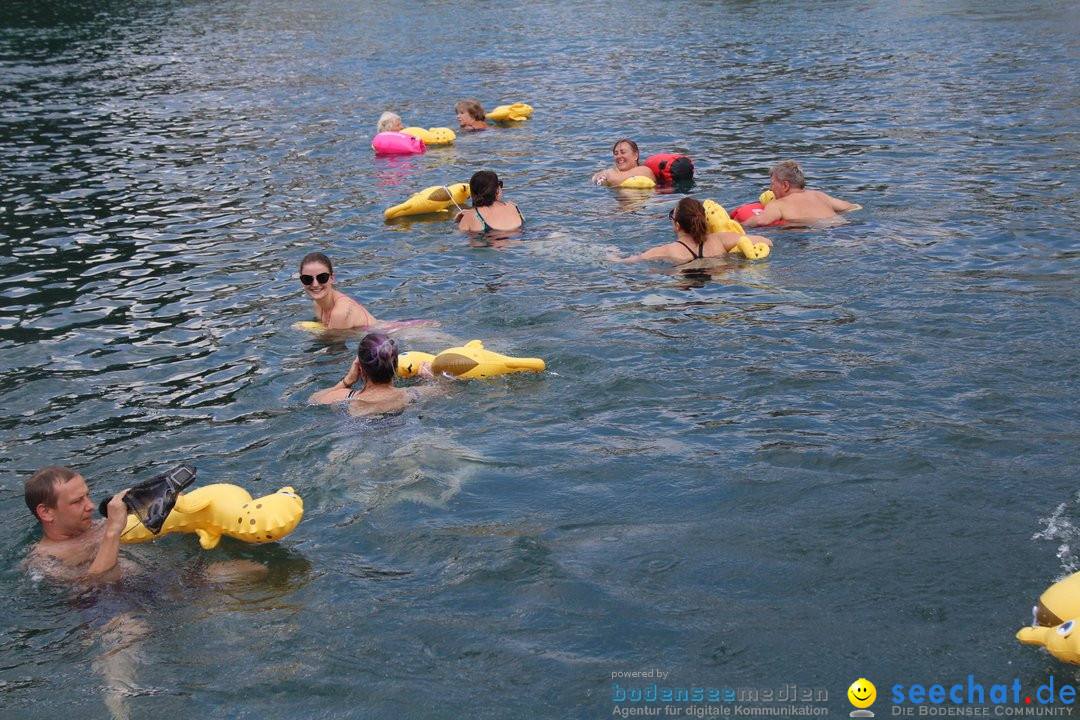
point(378, 356)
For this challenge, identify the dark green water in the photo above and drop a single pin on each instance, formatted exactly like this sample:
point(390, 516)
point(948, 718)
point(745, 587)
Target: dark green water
point(856, 459)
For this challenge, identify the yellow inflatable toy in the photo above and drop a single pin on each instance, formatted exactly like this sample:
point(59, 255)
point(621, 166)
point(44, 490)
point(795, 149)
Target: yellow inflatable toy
point(1061, 641)
point(432, 136)
point(312, 326)
point(638, 182)
point(509, 113)
point(718, 220)
point(1059, 602)
point(766, 197)
point(221, 509)
point(470, 361)
point(435, 199)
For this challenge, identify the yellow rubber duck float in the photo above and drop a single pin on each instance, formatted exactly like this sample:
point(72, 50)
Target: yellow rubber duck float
point(1062, 641)
point(435, 199)
point(508, 113)
point(718, 220)
point(222, 509)
point(1055, 621)
point(469, 361)
point(432, 136)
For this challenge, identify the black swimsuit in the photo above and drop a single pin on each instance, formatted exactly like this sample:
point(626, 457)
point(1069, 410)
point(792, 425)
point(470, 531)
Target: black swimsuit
point(696, 256)
point(488, 227)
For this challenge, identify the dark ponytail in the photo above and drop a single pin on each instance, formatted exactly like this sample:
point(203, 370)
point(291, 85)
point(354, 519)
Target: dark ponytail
point(690, 214)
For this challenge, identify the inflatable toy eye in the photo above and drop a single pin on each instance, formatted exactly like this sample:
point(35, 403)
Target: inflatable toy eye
point(1065, 628)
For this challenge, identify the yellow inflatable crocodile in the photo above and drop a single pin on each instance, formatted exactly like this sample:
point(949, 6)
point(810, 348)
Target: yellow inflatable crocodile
point(222, 509)
point(469, 361)
point(432, 136)
point(437, 198)
point(509, 113)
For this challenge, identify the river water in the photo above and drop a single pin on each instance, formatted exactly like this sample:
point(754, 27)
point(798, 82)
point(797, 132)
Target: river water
point(854, 459)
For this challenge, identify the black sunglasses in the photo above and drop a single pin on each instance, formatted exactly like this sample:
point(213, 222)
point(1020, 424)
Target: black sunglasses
point(321, 277)
point(671, 213)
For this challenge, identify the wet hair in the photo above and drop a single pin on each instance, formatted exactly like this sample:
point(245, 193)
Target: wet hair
point(317, 257)
point(40, 489)
point(790, 172)
point(484, 186)
point(387, 119)
point(689, 213)
point(628, 141)
point(378, 354)
point(473, 108)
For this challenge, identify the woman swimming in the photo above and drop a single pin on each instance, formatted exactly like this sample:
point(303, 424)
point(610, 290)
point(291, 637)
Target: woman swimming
point(489, 213)
point(334, 309)
point(375, 364)
point(693, 241)
point(627, 165)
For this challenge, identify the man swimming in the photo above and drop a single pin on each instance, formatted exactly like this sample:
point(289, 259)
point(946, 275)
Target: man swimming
point(793, 202)
point(74, 547)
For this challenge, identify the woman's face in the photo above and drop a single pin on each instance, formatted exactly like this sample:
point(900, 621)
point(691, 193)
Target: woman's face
point(464, 118)
point(396, 126)
point(320, 278)
point(625, 157)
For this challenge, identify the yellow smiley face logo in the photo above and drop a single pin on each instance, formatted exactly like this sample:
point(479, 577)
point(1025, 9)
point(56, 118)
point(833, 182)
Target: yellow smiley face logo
point(862, 693)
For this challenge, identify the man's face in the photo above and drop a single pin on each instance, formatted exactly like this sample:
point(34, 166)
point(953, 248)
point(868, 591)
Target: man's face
point(779, 188)
point(74, 512)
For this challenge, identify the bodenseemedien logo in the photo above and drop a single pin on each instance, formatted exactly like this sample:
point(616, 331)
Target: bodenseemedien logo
point(862, 694)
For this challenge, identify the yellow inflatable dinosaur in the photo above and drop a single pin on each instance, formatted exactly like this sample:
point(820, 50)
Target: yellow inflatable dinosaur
point(469, 361)
point(509, 113)
point(1062, 641)
point(432, 136)
point(718, 220)
point(437, 198)
point(221, 509)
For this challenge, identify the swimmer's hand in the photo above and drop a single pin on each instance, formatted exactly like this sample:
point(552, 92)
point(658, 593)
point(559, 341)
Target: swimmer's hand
point(118, 512)
point(461, 214)
point(600, 178)
point(353, 375)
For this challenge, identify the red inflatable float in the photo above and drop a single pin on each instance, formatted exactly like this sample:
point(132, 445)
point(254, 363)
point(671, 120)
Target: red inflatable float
point(670, 168)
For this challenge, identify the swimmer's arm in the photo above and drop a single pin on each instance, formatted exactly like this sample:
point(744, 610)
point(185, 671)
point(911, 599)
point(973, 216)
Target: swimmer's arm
point(656, 253)
point(841, 205)
point(341, 390)
point(467, 221)
point(772, 212)
point(109, 549)
point(614, 177)
point(339, 317)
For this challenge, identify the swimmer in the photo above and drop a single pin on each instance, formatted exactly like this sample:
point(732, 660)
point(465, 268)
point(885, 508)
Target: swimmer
point(794, 203)
point(487, 194)
point(470, 115)
point(376, 365)
point(627, 165)
point(335, 310)
point(692, 241)
point(74, 547)
point(389, 122)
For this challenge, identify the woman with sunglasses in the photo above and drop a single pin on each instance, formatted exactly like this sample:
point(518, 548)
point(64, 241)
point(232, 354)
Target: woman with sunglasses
point(627, 165)
point(693, 241)
point(376, 365)
point(497, 214)
point(334, 309)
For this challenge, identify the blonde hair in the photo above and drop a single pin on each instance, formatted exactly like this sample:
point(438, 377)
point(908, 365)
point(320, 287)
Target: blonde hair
point(386, 120)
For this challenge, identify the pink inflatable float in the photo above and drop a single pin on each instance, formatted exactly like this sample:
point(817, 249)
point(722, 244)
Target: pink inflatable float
point(397, 143)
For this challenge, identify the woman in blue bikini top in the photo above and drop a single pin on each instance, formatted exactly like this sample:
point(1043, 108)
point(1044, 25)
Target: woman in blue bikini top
point(489, 213)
